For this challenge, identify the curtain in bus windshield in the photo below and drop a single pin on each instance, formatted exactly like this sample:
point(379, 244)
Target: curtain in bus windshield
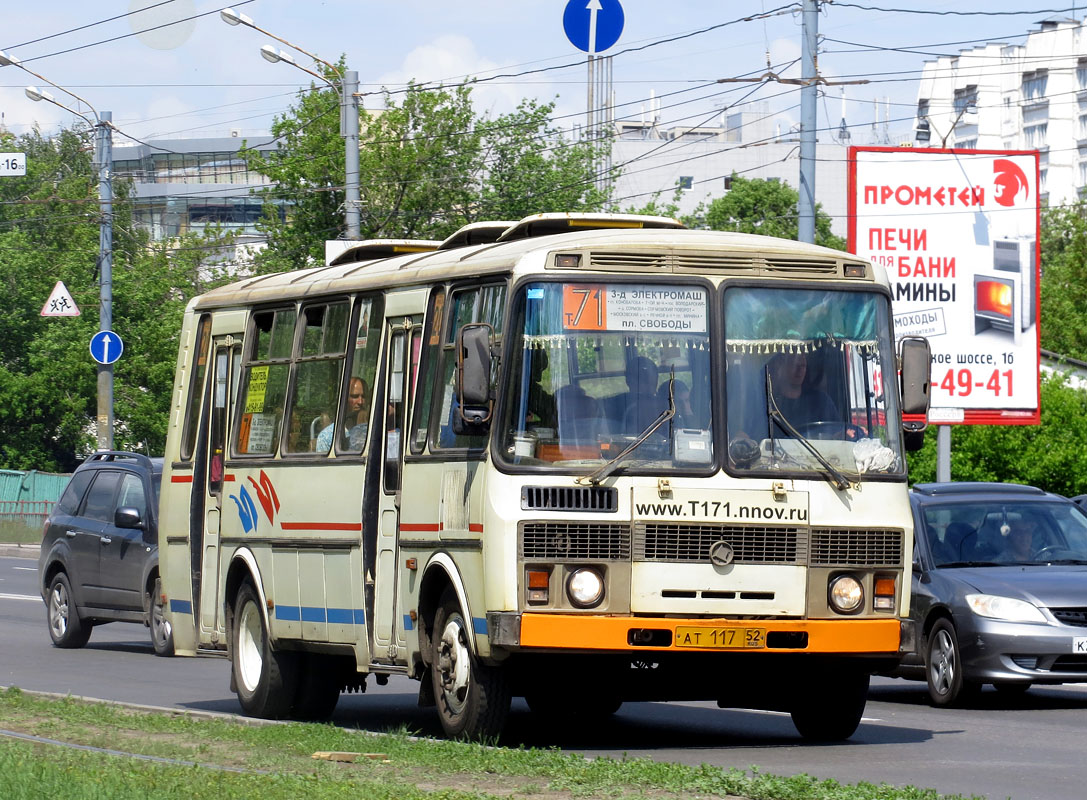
point(598, 366)
point(805, 368)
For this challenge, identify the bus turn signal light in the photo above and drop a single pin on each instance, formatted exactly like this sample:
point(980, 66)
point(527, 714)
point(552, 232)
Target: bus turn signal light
point(537, 582)
point(884, 594)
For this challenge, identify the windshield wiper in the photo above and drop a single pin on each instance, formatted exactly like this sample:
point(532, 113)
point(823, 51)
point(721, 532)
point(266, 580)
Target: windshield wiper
point(608, 467)
point(774, 414)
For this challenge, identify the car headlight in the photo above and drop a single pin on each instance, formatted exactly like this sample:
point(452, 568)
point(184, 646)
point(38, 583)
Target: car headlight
point(1006, 608)
point(585, 588)
point(846, 594)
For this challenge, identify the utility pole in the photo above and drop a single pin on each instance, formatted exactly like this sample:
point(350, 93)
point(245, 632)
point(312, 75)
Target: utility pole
point(808, 97)
point(350, 104)
point(104, 155)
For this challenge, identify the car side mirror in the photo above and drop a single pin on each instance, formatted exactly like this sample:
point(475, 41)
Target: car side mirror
point(915, 371)
point(474, 405)
point(127, 517)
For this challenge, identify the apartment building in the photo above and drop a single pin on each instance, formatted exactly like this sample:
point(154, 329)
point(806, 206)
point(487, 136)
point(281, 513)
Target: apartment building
point(1015, 97)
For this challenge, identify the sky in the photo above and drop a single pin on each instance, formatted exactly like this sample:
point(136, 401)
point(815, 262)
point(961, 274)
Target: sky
point(202, 77)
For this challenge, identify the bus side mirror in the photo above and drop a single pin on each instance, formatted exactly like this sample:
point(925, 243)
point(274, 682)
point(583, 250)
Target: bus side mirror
point(915, 363)
point(473, 405)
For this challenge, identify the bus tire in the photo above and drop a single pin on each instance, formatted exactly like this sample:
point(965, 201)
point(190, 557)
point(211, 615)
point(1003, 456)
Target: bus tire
point(66, 629)
point(318, 689)
point(266, 679)
point(473, 699)
point(833, 709)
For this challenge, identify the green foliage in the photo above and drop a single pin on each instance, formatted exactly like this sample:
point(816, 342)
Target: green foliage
point(1049, 455)
point(1064, 280)
point(769, 208)
point(427, 165)
point(49, 231)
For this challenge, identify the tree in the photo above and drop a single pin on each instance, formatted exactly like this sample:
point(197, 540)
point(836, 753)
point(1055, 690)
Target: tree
point(768, 208)
point(427, 165)
point(1049, 455)
point(1063, 311)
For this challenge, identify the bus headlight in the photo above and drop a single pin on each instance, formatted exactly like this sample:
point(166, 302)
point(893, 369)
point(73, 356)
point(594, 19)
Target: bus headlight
point(585, 588)
point(846, 594)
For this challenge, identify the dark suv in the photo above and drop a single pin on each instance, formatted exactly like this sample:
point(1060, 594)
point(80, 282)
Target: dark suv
point(99, 558)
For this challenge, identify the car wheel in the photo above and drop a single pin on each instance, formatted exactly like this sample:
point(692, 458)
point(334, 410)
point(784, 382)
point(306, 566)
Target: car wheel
point(833, 709)
point(943, 667)
point(66, 629)
point(162, 633)
point(473, 699)
point(266, 680)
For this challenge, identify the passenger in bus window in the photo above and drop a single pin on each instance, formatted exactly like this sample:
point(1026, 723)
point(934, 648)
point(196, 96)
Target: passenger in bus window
point(643, 405)
point(541, 403)
point(356, 414)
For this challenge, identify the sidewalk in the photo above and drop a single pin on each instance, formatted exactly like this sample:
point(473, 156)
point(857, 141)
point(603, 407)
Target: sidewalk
point(20, 550)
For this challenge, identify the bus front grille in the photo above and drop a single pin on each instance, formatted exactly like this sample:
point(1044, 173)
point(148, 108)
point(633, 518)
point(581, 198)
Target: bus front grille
point(574, 541)
point(569, 498)
point(751, 544)
point(863, 548)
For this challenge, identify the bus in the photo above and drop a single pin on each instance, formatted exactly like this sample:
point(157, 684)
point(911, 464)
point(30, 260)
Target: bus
point(560, 459)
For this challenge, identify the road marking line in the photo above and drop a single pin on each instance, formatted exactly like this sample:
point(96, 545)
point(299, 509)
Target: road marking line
point(27, 569)
point(19, 597)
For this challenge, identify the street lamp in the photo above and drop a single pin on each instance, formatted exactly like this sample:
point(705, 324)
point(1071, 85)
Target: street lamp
point(103, 155)
point(348, 88)
point(925, 123)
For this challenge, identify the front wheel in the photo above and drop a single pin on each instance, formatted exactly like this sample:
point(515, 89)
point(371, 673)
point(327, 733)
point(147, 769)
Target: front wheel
point(162, 634)
point(266, 679)
point(66, 629)
point(833, 709)
point(943, 667)
point(473, 699)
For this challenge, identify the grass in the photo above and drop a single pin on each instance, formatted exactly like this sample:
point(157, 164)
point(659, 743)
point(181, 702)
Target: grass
point(18, 533)
point(275, 761)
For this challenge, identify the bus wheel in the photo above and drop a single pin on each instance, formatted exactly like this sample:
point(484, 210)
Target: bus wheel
point(833, 709)
point(318, 688)
point(473, 699)
point(66, 629)
point(266, 679)
point(162, 635)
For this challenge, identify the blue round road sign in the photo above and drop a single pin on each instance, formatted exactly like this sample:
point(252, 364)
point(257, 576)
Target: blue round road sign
point(593, 25)
point(106, 347)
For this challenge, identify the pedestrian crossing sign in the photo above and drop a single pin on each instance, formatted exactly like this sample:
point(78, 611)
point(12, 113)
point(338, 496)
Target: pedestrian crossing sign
point(60, 303)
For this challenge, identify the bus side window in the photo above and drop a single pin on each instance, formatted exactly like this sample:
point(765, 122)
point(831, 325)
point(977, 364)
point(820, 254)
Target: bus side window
point(318, 367)
point(264, 382)
point(362, 366)
point(431, 352)
point(196, 387)
point(478, 304)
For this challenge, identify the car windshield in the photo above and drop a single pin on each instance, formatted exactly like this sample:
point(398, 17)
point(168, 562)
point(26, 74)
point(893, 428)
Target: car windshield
point(1018, 532)
point(805, 382)
point(595, 366)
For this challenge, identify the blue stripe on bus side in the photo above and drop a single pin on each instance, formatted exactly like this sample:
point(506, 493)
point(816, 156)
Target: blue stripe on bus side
point(408, 625)
point(180, 606)
point(337, 616)
point(479, 625)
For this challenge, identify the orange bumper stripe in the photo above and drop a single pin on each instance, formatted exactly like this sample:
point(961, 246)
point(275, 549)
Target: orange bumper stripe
point(578, 632)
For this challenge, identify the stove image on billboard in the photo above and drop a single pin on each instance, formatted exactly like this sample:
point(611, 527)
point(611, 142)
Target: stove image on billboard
point(1004, 297)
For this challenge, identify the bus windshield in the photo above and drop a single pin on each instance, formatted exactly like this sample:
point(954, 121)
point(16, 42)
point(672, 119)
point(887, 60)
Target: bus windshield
point(804, 381)
point(595, 366)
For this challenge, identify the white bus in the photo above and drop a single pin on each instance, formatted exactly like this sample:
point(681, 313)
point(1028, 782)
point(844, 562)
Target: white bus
point(580, 459)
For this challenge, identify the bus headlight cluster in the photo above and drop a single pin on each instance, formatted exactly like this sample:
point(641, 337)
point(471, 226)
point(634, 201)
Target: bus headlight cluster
point(846, 594)
point(585, 588)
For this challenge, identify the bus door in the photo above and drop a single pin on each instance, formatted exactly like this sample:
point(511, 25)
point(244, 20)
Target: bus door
point(219, 402)
point(403, 338)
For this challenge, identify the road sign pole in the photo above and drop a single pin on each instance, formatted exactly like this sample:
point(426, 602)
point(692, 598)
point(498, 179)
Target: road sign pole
point(105, 273)
point(809, 94)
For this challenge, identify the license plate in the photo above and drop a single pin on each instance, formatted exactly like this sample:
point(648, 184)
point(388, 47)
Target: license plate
point(720, 638)
point(1079, 644)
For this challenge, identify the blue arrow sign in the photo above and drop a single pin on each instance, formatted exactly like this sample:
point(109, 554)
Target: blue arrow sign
point(106, 347)
point(593, 25)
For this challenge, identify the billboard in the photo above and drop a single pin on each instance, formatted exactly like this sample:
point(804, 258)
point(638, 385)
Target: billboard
point(957, 233)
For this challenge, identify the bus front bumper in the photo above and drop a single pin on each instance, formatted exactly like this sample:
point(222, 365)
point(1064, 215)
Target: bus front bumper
point(581, 632)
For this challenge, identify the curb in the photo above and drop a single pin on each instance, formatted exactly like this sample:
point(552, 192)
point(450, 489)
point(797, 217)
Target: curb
point(20, 551)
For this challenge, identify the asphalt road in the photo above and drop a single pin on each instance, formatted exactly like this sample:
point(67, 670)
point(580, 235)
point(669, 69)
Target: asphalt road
point(1027, 748)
